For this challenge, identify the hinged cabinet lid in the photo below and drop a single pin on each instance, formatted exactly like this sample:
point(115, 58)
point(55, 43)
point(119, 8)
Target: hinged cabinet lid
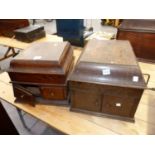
point(109, 62)
point(43, 58)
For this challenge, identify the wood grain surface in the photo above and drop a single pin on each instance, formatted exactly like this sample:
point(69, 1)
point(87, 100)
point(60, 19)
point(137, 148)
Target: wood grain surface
point(77, 123)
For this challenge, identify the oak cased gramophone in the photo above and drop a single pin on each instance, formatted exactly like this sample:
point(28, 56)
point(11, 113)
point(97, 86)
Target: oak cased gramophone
point(40, 73)
point(107, 80)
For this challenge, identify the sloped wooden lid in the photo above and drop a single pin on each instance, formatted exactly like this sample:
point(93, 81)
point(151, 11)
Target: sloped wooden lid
point(42, 58)
point(108, 62)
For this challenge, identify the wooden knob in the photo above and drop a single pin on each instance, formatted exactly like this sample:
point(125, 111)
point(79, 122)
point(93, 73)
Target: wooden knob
point(97, 103)
point(52, 94)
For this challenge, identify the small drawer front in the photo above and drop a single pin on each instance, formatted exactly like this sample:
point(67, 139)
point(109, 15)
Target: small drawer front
point(55, 93)
point(121, 106)
point(85, 101)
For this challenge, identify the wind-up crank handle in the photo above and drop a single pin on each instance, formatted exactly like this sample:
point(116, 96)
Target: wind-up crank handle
point(147, 81)
point(153, 89)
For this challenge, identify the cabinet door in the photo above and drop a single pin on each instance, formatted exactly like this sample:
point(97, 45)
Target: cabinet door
point(86, 101)
point(121, 106)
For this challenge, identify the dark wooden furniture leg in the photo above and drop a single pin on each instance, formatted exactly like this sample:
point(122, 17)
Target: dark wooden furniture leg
point(8, 50)
point(6, 125)
point(7, 55)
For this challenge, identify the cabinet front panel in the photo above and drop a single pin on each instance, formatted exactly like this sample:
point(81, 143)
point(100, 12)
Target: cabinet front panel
point(86, 101)
point(121, 106)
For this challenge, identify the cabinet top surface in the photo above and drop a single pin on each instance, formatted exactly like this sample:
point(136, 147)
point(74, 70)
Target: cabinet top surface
point(45, 51)
point(138, 25)
point(109, 52)
point(109, 62)
point(28, 29)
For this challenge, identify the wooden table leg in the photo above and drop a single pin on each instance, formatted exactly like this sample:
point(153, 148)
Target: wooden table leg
point(7, 52)
point(7, 55)
point(22, 119)
point(6, 125)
